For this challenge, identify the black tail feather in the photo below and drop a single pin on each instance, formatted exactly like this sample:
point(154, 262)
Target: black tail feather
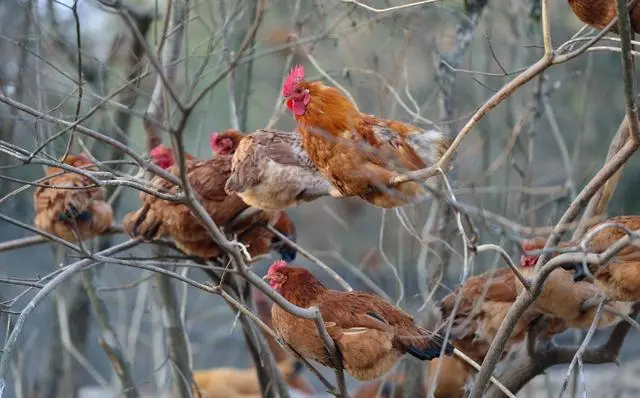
point(432, 350)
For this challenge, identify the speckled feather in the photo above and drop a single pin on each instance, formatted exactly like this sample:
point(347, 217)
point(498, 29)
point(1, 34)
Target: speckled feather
point(271, 170)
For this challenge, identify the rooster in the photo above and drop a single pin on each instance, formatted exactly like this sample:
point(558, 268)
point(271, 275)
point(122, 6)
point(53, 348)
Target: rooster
point(599, 13)
point(620, 277)
point(371, 334)
point(358, 153)
point(71, 214)
point(159, 217)
point(270, 170)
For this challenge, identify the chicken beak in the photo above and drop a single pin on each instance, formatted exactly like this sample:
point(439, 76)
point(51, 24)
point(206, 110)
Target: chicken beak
point(267, 277)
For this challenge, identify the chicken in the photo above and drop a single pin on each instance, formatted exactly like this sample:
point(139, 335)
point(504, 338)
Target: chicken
point(486, 299)
point(242, 383)
point(358, 153)
point(371, 334)
point(620, 277)
point(599, 13)
point(564, 298)
point(71, 214)
point(142, 222)
point(454, 374)
point(271, 170)
point(159, 217)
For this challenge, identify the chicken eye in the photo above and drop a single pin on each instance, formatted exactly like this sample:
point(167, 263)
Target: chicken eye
point(297, 91)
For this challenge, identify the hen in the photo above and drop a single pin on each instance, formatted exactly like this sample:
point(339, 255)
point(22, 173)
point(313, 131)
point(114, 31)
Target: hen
point(271, 170)
point(564, 298)
point(371, 334)
point(75, 213)
point(242, 383)
point(159, 217)
point(359, 153)
point(599, 13)
point(620, 277)
point(454, 375)
point(485, 301)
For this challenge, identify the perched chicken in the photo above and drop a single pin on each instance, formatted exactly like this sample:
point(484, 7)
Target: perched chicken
point(371, 334)
point(359, 153)
point(75, 213)
point(159, 217)
point(486, 299)
point(620, 277)
point(599, 13)
point(243, 383)
point(271, 170)
point(225, 143)
point(564, 298)
point(142, 222)
point(454, 375)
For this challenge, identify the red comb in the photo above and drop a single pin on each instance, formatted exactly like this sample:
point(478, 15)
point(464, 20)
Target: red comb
point(213, 138)
point(295, 75)
point(277, 266)
point(157, 149)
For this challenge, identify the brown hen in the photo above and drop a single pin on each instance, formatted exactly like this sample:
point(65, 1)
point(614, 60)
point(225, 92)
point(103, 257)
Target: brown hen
point(71, 214)
point(599, 13)
point(271, 170)
point(371, 334)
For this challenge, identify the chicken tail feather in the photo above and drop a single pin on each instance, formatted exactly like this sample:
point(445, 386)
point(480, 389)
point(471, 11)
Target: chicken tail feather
point(432, 349)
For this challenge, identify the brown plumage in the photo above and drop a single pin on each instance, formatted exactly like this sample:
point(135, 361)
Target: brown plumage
point(159, 217)
point(599, 13)
point(71, 213)
point(454, 375)
point(243, 383)
point(563, 298)
point(359, 153)
point(372, 334)
point(271, 170)
point(479, 317)
point(620, 277)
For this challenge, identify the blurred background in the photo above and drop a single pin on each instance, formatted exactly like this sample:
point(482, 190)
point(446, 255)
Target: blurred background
point(432, 64)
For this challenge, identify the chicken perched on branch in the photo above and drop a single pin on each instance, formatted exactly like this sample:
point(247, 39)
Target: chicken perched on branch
point(358, 153)
point(243, 383)
point(159, 217)
point(599, 13)
point(271, 170)
point(566, 299)
point(620, 277)
point(69, 205)
point(371, 334)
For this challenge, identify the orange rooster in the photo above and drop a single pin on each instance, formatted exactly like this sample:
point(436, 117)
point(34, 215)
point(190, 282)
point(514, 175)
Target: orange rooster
point(599, 13)
point(371, 334)
point(358, 153)
point(620, 277)
point(243, 383)
point(271, 170)
point(71, 214)
point(159, 217)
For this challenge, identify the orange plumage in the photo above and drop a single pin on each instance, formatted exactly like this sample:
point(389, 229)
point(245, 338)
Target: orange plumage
point(599, 13)
point(271, 170)
point(359, 153)
point(486, 299)
point(620, 277)
point(372, 334)
point(243, 383)
point(71, 213)
point(159, 217)
point(454, 375)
